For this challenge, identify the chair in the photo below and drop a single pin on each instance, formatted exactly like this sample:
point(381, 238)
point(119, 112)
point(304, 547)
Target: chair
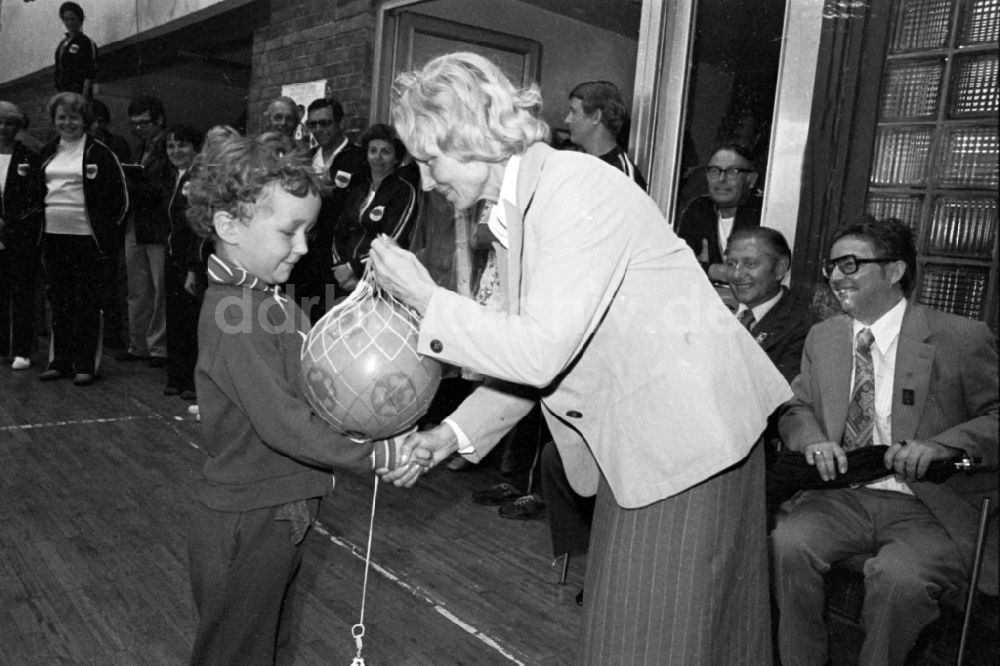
point(959, 636)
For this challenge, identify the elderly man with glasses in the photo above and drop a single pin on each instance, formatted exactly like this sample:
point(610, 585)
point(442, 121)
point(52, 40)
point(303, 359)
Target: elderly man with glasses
point(922, 385)
point(731, 204)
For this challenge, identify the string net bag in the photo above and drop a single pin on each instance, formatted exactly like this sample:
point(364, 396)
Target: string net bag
point(360, 368)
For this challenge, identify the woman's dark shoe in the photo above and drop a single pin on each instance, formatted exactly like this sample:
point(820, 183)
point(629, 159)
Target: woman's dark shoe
point(50, 375)
point(579, 598)
point(83, 379)
point(171, 390)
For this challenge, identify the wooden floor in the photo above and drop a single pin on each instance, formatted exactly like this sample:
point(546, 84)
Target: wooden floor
point(95, 490)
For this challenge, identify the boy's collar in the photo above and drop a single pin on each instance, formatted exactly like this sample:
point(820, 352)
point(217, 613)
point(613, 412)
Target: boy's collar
point(222, 272)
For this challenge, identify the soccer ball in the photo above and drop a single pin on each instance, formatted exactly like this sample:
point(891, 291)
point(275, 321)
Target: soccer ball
point(361, 370)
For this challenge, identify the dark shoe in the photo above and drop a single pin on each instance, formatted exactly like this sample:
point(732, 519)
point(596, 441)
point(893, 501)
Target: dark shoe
point(50, 375)
point(579, 598)
point(157, 361)
point(83, 379)
point(129, 357)
point(188, 394)
point(496, 495)
point(171, 390)
point(528, 507)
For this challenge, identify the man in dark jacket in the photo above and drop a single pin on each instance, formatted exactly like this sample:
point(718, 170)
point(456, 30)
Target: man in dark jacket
point(731, 204)
point(146, 235)
point(340, 160)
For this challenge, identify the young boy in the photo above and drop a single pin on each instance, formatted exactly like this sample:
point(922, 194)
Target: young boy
point(269, 456)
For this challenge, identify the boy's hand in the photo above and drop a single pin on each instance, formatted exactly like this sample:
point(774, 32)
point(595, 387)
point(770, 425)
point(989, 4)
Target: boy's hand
point(423, 450)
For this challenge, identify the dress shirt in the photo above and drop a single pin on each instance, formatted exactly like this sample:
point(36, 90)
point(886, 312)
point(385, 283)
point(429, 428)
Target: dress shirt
point(886, 332)
point(726, 228)
point(508, 194)
point(761, 309)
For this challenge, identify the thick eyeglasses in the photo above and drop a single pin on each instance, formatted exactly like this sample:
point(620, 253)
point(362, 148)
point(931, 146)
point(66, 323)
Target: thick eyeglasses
point(731, 172)
point(849, 264)
point(139, 124)
point(316, 124)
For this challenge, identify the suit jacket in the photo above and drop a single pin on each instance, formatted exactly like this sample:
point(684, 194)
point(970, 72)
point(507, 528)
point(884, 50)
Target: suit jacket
point(782, 333)
point(150, 192)
point(700, 221)
point(945, 389)
point(645, 376)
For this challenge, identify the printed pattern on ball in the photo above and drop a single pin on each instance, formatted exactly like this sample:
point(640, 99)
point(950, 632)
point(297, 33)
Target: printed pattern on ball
point(361, 370)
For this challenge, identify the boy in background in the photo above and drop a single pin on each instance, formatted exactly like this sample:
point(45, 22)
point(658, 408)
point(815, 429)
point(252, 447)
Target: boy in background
point(269, 456)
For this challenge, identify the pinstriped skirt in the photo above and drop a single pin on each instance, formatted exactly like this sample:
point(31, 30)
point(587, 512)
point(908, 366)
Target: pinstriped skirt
point(683, 581)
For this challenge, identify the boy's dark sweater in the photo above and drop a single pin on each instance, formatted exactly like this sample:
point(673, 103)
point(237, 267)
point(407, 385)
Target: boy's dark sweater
point(265, 446)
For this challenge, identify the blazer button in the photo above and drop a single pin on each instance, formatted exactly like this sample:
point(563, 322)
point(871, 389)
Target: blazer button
point(436, 346)
point(573, 414)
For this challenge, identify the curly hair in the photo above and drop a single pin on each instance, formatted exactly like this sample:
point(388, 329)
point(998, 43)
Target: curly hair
point(229, 176)
point(462, 105)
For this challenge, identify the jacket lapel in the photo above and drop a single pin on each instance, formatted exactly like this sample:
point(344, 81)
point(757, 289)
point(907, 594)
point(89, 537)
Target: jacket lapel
point(527, 179)
point(515, 241)
point(914, 360)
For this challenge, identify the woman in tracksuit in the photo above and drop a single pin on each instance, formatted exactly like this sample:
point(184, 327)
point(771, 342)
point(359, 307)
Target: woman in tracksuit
point(85, 203)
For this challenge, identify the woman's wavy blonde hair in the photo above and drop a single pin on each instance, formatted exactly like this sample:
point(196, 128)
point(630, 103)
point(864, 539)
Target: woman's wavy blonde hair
point(463, 106)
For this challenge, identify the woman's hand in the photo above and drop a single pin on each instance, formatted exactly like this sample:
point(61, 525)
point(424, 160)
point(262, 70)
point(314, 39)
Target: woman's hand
point(401, 274)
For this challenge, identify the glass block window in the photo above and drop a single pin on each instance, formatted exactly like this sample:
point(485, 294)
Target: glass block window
point(936, 157)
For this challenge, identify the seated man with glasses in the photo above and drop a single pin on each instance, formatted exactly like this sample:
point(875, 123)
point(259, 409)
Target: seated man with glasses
point(921, 382)
point(731, 204)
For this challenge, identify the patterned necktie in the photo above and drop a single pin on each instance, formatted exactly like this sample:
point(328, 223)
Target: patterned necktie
point(747, 319)
point(861, 411)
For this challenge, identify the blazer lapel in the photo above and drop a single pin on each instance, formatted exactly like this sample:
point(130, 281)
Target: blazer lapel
point(515, 242)
point(527, 179)
point(914, 360)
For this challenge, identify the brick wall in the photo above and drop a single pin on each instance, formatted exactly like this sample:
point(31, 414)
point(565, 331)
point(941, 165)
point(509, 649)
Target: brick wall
point(310, 40)
point(32, 94)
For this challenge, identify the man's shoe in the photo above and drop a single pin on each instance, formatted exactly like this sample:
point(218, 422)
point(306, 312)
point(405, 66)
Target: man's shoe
point(129, 357)
point(157, 361)
point(496, 495)
point(21, 363)
point(189, 394)
point(50, 375)
point(171, 390)
point(528, 507)
point(83, 379)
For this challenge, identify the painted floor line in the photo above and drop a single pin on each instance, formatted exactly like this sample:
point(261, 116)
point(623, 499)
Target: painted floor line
point(417, 592)
point(60, 424)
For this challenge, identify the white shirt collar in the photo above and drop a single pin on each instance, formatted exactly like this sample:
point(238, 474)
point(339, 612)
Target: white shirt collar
point(508, 194)
point(761, 309)
point(886, 328)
